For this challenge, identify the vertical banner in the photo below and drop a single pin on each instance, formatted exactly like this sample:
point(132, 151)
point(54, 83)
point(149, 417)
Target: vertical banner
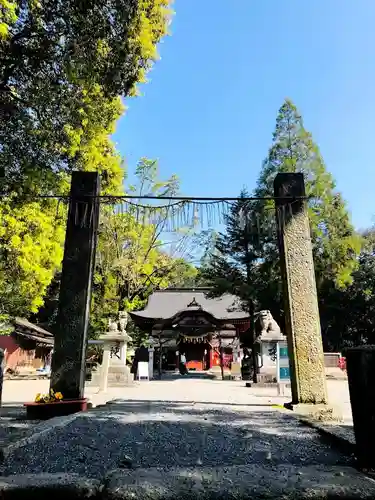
point(282, 363)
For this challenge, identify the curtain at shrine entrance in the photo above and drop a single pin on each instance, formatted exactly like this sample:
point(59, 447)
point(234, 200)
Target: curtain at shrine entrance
point(198, 353)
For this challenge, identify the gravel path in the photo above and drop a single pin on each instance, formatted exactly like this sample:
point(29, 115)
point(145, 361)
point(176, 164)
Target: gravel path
point(13, 425)
point(144, 433)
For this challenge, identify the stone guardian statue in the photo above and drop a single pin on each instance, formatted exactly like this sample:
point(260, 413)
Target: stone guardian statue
point(268, 325)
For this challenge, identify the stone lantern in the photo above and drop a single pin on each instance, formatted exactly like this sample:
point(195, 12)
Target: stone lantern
point(113, 371)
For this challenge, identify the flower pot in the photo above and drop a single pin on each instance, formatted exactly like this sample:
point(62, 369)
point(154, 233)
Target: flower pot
point(44, 411)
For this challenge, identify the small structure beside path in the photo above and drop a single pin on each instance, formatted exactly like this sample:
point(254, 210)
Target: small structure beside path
point(27, 348)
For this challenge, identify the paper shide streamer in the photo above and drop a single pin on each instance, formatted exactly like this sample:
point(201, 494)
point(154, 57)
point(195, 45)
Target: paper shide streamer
point(200, 215)
point(188, 214)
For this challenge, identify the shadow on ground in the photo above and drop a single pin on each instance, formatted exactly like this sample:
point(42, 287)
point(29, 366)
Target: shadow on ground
point(144, 434)
point(13, 424)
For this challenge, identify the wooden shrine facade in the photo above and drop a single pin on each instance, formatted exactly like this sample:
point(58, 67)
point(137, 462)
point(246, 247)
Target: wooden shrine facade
point(189, 321)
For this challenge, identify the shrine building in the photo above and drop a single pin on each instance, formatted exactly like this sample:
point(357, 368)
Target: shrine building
point(186, 320)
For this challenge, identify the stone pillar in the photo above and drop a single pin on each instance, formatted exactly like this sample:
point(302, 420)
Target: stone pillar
point(104, 368)
point(360, 364)
point(68, 363)
point(299, 288)
point(123, 352)
point(151, 363)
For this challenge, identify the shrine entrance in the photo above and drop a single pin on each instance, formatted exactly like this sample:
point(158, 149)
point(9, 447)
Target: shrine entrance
point(206, 330)
point(198, 352)
point(290, 215)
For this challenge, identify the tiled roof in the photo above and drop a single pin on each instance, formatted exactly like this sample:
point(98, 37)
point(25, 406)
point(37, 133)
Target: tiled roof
point(24, 328)
point(164, 304)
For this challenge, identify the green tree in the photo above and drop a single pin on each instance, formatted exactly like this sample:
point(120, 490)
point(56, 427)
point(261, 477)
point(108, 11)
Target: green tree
point(230, 265)
point(335, 242)
point(232, 261)
point(62, 65)
point(30, 252)
point(133, 256)
point(347, 315)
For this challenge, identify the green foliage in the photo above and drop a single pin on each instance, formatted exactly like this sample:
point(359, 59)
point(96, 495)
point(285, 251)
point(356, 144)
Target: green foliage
point(231, 261)
point(133, 258)
point(347, 315)
point(64, 64)
point(247, 265)
point(30, 252)
point(8, 16)
point(229, 266)
point(335, 243)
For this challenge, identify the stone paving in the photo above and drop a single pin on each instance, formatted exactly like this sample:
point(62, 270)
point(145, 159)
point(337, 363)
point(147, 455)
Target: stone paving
point(177, 422)
point(15, 392)
point(181, 433)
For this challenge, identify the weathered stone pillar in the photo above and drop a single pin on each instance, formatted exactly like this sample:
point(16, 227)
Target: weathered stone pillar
point(299, 288)
point(68, 363)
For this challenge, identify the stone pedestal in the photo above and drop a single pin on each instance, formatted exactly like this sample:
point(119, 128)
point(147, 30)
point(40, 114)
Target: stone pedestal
point(113, 371)
point(299, 289)
point(268, 345)
point(360, 363)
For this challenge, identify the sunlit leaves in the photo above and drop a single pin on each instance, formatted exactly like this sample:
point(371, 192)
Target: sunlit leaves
point(64, 66)
point(31, 238)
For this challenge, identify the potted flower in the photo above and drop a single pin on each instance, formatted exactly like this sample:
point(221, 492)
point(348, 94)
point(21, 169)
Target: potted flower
point(52, 397)
point(53, 404)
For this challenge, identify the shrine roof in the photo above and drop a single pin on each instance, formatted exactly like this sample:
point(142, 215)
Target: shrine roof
point(24, 328)
point(164, 304)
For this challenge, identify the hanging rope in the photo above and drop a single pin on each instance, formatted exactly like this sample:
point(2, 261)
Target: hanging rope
point(196, 215)
point(183, 213)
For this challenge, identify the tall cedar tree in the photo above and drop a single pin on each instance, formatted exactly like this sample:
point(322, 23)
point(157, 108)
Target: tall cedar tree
point(336, 245)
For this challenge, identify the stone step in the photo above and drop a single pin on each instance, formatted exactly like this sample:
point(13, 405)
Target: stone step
point(198, 483)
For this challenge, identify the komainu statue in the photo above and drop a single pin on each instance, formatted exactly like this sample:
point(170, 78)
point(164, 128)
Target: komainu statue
point(267, 324)
point(123, 320)
point(112, 325)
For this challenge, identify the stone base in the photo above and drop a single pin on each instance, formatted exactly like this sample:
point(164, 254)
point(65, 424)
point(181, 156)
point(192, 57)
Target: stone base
point(320, 412)
point(118, 376)
point(266, 378)
point(45, 411)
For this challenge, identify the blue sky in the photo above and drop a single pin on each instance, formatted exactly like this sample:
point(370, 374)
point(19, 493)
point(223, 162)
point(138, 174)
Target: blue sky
point(209, 109)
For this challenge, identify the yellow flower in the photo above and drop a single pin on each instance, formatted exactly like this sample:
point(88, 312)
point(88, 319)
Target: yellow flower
point(52, 392)
point(58, 396)
point(38, 397)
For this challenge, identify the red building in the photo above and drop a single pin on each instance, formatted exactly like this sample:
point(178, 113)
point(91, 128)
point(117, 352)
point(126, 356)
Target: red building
point(28, 346)
point(187, 321)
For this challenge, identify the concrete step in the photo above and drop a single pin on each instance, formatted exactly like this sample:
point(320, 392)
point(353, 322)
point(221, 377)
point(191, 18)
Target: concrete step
point(198, 483)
